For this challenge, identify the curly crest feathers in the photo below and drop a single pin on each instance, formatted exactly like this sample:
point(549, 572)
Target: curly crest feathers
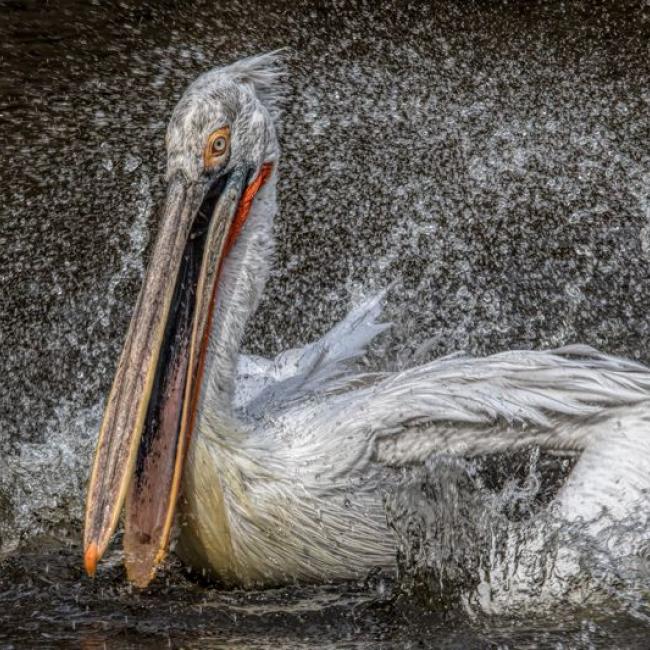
point(265, 73)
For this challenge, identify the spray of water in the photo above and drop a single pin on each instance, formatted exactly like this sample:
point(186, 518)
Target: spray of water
point(495, 541)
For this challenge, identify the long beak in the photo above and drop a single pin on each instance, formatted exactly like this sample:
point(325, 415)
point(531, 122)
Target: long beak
point(151, 408)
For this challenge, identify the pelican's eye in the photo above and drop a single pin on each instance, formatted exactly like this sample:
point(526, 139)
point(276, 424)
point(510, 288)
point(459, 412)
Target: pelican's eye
point(219, 145)
point(217, 148)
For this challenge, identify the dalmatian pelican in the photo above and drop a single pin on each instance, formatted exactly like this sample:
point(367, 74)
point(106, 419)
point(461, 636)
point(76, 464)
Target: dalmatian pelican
point(272, 470)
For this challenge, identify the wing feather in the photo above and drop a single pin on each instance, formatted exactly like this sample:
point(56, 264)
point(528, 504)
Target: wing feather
point(456, 404)
point(268, 385)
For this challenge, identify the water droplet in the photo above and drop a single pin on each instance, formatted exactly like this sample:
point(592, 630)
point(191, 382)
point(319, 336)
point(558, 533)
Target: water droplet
point(131, 163)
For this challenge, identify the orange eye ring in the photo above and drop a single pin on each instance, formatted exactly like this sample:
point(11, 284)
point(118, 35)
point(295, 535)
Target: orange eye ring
point(217, 148)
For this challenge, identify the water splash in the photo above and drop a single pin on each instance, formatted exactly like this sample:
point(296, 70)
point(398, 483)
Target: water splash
point(42, 486)
point(42, 483)
point(494, 541)
point(458, 147)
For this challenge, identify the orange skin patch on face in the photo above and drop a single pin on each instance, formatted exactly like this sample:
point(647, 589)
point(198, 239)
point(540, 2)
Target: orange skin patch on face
point(244, 207)
point(243, 210)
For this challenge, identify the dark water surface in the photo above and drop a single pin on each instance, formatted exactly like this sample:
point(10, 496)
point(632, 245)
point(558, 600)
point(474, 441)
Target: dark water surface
point(492, 157)
point(57, 608)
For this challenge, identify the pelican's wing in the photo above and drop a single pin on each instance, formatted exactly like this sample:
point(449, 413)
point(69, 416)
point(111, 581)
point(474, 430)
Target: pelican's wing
point(268, 384)
point(469, 406)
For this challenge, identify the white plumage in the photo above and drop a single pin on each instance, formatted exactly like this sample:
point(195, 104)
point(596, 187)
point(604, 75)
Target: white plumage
point(284, 479)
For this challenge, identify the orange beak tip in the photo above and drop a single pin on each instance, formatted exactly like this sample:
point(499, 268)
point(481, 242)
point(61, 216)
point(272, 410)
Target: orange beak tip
point(91, 557)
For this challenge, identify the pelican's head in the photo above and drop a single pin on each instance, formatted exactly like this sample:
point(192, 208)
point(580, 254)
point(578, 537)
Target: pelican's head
point(221, 149)
point(224, 122)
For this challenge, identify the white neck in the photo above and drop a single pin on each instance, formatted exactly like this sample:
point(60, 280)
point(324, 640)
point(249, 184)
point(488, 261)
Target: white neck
point(243, 277)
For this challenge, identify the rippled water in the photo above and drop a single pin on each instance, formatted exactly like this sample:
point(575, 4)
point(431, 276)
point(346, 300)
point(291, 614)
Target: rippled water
point(489, 156)
point(54, 607)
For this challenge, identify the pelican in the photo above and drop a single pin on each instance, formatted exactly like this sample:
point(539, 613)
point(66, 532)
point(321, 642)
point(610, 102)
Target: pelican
point(271, 471)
